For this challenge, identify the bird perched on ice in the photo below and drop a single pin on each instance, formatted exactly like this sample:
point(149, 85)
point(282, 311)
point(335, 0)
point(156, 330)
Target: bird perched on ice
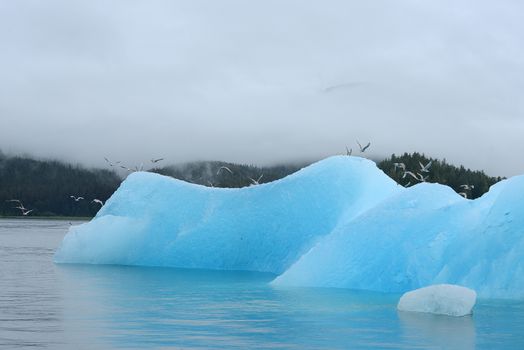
point(76, 199)
point(224, 168)
point(97, 201)
point(363, 149)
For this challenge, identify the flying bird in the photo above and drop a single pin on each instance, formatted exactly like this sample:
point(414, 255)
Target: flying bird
point(425, 168)
point(418, 176)
point(349, 151)
point(363, 149)
point(153, 160)
point(76, 199)
point(25, 212)
point(111, 163)
point(126, 168)
point(410, 174)
point(139, 168)
point(467, 187)
point(224, 168)
point(257, 181)
point(464, 194)
point(422, 178)
point(400, 166)
point(97, 201)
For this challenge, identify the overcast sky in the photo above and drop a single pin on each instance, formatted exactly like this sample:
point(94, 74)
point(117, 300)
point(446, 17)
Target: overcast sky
point(263, 81)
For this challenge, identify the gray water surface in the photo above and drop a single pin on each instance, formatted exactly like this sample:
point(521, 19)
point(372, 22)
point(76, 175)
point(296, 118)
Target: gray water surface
point(43, 305)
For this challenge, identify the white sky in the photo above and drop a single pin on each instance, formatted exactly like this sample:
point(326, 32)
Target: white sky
point(263, 81)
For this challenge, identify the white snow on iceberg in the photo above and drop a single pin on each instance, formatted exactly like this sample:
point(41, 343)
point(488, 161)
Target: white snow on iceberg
point(340, 222)
point(441, 299)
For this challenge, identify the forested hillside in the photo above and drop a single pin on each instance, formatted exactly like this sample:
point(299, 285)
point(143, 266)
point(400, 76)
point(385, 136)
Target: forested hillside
point(440, 172)
point(46, 186)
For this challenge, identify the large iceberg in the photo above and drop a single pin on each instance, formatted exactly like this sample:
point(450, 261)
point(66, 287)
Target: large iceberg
point(155, 220)
point(421, 236)
point(338, 223)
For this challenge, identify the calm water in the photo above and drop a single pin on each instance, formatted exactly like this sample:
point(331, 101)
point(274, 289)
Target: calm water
point(97, 307)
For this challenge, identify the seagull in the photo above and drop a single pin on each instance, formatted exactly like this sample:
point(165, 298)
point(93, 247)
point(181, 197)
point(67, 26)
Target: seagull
point(76, 198)
point(153, 160)
point(467, 187)
point(111, 163)
point(410, 174)
point(14, 200)
point(422, 178)
point(400, 165)
point(418, 176)
point(349, 151)
point(463, 194)
point(21, 207)
point(25, 212)
point(225, 168)
point(97, 201)
point(257, 181)
point(363, 149)
point(126, 168)
point(425, 168)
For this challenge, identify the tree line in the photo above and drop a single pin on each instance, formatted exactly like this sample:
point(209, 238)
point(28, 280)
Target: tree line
point(46, 185)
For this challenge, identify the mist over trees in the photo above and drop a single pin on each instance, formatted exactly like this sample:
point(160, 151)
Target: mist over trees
point(46, 185)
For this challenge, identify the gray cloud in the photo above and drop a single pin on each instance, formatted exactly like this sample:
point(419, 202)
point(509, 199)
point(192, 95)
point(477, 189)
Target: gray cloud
point(246, 81)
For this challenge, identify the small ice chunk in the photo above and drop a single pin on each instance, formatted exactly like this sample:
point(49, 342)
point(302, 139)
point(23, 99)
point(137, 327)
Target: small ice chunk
point(440, 299)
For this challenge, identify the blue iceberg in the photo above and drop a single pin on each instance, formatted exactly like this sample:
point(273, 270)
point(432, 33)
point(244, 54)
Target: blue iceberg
point(155, 220)
point(340, 222)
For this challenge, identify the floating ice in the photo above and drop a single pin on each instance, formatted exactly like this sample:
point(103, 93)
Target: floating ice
point(425, 235)
point(441, 299)
point(159, 221)
point(338, 223)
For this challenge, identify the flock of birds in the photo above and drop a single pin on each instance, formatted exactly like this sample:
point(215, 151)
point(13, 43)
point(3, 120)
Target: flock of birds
point(421, 175)
point(157, 160)
point(24, 211)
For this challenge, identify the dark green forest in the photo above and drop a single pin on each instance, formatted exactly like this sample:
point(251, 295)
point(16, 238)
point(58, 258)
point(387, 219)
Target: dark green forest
point(46, 186)
point(440, 172)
